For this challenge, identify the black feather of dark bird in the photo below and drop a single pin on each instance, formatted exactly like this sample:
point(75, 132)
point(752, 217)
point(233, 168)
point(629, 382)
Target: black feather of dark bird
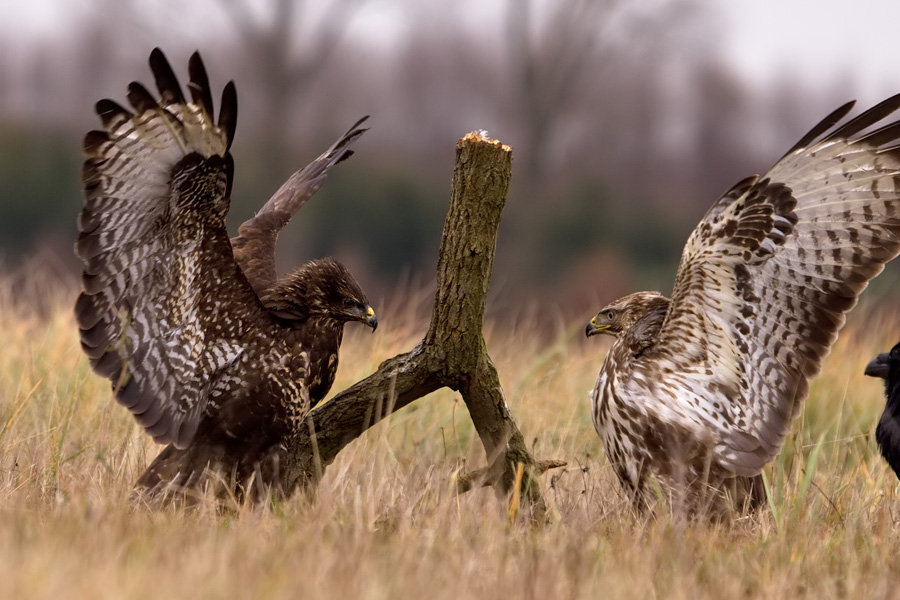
point(887, 434)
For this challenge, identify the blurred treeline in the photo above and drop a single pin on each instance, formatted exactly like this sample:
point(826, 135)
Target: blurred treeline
point(625, 125)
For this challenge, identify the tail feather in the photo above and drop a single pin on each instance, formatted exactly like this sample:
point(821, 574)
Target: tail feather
point(175, 471)
point(209, 469)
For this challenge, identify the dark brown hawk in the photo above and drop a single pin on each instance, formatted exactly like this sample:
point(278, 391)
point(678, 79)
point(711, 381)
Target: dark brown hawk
point(699, 391)
point(211, 352)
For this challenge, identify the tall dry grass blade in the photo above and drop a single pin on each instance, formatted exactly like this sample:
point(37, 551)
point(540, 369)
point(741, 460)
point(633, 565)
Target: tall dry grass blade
point(62, 439)
point(516, 491)
point(809, 471)
point(774, 506)
point(19, 408)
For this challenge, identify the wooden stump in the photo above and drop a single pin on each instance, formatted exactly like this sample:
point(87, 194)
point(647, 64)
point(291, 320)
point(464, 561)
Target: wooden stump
point(452, 354)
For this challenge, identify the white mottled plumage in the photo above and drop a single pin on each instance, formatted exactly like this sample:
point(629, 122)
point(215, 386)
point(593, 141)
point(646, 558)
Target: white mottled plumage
point(165, 312)
point(700, 391)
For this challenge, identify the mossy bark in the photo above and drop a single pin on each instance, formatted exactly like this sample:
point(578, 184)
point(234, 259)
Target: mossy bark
point(452, 354)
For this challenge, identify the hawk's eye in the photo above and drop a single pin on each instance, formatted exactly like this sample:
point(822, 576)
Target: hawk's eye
point(349, 303)
point(610, 315)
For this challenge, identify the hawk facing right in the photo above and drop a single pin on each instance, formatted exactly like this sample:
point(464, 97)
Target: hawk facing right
point(699, 391)
point(208, 350)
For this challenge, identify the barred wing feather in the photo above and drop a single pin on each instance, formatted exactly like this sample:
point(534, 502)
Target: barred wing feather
point(254, 246)
point(165, 311)
point(765, 281)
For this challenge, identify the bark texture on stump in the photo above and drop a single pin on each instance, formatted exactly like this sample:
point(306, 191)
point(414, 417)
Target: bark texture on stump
point(452, 354)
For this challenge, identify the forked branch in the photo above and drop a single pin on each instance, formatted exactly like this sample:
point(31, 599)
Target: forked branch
point(452, 354)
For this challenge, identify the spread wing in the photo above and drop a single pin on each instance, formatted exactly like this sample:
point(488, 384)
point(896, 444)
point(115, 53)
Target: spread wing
point(766, 279)
point(254, 246)
point(165, 311)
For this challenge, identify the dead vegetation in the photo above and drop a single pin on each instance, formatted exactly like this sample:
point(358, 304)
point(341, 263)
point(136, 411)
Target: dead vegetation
point(388, 522)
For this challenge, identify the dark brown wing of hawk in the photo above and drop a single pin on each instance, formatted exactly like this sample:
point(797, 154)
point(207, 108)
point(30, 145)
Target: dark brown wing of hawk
point(254, 246)
point(762, 290)
point(166, 314)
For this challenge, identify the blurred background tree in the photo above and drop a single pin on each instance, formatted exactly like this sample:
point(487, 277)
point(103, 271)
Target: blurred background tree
point(627, 121)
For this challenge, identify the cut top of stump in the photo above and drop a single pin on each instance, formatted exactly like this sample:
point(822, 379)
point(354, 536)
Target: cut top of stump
point(481, 136)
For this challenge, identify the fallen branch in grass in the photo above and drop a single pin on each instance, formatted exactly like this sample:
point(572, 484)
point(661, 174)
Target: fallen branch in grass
point(481, 477)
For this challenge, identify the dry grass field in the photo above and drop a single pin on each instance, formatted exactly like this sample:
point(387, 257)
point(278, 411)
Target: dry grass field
point(387, 523)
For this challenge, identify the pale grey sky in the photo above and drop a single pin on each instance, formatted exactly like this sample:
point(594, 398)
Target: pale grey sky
point(821, 41)
point(818, 40)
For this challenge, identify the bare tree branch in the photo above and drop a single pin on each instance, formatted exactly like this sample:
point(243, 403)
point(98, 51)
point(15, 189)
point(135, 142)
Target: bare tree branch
point(481, 477)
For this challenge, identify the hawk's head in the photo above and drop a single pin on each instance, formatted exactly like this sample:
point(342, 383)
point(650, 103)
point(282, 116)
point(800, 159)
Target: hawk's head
point(321, 288)
point(616, 318)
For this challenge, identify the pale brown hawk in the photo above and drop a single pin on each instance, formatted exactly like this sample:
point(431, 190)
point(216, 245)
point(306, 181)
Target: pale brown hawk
point(209, 350)
point(699, 391)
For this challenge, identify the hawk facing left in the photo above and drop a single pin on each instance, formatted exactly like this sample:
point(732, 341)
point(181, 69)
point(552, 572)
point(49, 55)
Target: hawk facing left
point(699, 391)
point(208, 350)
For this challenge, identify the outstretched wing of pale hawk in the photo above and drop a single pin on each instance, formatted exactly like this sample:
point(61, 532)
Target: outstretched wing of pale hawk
point(765, 281)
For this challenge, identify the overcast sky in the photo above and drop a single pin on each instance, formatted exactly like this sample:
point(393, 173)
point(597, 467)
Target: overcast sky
point(821, 41)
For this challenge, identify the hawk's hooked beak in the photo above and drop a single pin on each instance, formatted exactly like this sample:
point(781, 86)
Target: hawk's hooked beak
point(371, 319)
point(596, 327)
point(879, 366)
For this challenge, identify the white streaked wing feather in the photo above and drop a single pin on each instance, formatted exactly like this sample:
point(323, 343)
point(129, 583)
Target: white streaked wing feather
point(752, 318)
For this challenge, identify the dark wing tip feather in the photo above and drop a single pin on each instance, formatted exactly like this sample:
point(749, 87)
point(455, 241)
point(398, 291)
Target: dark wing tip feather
point(354, 132)
point(146, 412)
point(109, 365)
point(88, 245)
point(356, 125)
point(166, 81)
point(111, 112)
point(199, 84)
point(90, 172)
point(86, 313)
point(866, 119)
point(93, 140)
point(228, 112)
point(340, 152)
point(347, 154)
point(93, 351)
point(263, 228)
point(140, 98)
point(96, 336)
point(88, 222)
point(882, 136)
point(161, 431)
point(824, 125)
point(130, 395)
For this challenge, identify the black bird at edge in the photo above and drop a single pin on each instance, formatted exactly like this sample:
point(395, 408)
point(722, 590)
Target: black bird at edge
point(887, 366)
